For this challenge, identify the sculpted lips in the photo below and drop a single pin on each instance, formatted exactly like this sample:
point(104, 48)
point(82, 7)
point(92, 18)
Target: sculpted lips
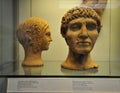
point(83, 43)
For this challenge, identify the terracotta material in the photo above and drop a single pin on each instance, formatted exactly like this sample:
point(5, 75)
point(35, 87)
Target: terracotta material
point(35, 36)
point(80, 27)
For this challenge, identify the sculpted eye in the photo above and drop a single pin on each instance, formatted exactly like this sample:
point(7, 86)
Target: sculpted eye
point(75, 26)
point(91, 26)
point(48, 34)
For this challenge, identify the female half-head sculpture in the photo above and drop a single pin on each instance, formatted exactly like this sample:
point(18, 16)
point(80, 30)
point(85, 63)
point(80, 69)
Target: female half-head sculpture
point(34, 35)
point(80, 27)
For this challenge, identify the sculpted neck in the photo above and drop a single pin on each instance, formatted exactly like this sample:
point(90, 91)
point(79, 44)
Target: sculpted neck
point(32, 58)
point(78, 58)
point(79, 61)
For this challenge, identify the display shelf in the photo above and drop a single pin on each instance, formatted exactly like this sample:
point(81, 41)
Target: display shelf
point(53, 68)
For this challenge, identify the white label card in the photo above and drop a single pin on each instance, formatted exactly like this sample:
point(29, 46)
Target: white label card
point(63, 85)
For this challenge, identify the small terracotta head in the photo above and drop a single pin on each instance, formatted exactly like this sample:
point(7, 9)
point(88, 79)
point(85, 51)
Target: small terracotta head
point(34, 32)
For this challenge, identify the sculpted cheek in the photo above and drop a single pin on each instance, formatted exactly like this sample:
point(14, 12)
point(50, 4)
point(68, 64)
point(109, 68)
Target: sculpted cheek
point(70, 38)
point(94, 37)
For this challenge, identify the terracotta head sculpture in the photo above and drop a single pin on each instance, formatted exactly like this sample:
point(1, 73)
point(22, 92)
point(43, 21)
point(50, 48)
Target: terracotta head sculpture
point(80, 27)
point(34, 35)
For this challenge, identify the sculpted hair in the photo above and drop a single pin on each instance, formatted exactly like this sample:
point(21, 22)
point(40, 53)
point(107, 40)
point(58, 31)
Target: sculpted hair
point(32, 26)
point(79, 12)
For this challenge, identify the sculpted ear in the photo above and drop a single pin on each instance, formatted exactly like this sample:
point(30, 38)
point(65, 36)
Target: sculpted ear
point(28, 37)
point(63, 30)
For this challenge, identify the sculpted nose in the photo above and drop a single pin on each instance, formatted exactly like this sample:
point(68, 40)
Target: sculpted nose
point(83, 34)
point(50, 39)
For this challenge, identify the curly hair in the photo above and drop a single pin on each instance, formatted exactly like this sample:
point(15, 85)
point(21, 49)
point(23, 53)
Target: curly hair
point(33, 26)
point(77, 12)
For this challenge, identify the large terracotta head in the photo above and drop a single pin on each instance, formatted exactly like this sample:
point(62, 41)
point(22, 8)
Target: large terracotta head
point(34, 32)
point(80, 27)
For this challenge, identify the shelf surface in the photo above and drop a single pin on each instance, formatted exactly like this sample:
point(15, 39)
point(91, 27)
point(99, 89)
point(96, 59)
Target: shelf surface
point(53, 68)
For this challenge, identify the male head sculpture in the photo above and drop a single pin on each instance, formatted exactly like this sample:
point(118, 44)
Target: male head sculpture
point(80, 27)
point(34, 35)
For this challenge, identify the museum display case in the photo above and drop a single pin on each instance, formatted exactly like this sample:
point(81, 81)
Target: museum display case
point(105, 52)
